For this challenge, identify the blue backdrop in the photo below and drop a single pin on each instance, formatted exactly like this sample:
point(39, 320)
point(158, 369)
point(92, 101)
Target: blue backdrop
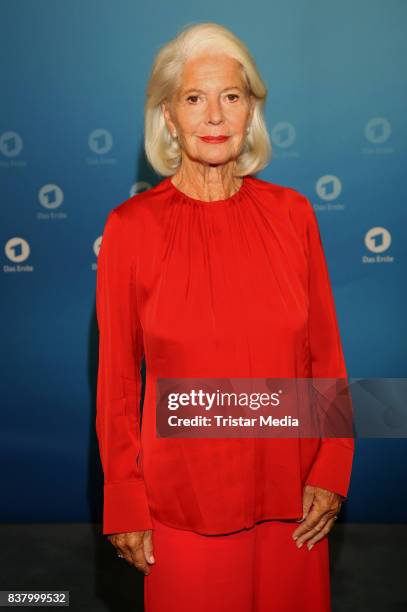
point(71, 148)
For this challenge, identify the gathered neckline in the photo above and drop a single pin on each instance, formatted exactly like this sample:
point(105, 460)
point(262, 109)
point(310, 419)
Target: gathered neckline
point(210, 203)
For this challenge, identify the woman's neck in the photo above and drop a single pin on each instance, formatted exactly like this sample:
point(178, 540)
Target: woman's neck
point(207, 183)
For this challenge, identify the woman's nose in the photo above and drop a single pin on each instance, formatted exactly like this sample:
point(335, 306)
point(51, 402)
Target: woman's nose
point(215, 114)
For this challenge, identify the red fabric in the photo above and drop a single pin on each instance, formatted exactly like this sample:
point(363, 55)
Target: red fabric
point(232, 288)
point(255, 570)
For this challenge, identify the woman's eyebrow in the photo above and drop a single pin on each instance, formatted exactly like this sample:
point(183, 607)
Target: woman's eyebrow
point(202, 91)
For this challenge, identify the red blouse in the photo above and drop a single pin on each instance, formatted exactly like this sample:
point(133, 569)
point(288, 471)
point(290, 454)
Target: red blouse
point(230, 288)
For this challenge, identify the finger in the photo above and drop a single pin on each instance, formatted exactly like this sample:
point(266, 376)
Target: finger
point(132, 550)
point(134, 545)
point(139, 560)
point(322, 533)
point(308, 492)
point(307, 499)
point(125, 552)
point(117, 542)
point(322, 505)
point(315, 531)
point(148, 546)
point(313, 518)
point(127, 546)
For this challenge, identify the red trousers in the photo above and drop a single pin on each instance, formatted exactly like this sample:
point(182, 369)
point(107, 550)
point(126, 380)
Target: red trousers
point(253, 570)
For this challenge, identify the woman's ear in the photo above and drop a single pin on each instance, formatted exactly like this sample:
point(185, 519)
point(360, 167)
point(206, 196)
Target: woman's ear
point(167, 116)
point(252, 107)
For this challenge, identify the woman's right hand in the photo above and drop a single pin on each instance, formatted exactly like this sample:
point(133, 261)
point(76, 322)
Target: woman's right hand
point(136, 547)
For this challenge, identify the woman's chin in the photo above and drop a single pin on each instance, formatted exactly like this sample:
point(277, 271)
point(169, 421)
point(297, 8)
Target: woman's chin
point(216, 160)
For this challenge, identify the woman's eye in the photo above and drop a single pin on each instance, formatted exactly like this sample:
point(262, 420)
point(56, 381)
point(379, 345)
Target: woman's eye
point(195, 97)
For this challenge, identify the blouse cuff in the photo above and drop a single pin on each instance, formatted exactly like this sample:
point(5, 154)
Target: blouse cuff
point(125, 507)
point(332, 468)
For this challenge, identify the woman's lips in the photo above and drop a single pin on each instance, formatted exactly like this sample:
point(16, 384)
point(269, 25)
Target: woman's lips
point(214, 139)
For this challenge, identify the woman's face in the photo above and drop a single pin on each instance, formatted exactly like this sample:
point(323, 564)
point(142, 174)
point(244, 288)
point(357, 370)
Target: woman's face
point(212, 101)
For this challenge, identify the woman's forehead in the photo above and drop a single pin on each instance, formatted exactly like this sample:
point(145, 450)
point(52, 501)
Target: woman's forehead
point(210, 72)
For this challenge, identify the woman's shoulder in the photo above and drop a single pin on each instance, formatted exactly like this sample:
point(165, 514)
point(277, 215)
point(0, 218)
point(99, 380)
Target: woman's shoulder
point(285, 196)
point(132, 219)
point(138, 204)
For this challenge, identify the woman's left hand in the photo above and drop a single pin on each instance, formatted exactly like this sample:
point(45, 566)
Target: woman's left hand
point(320, 508)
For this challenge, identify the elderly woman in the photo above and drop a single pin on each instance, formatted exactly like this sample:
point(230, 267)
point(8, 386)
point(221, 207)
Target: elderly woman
point(215, 273)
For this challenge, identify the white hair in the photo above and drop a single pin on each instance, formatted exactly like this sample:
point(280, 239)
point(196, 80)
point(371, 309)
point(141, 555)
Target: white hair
point(162, 151)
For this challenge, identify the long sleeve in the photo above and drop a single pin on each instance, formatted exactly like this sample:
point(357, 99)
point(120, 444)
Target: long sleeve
point(121, 349)
point(333, 465)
